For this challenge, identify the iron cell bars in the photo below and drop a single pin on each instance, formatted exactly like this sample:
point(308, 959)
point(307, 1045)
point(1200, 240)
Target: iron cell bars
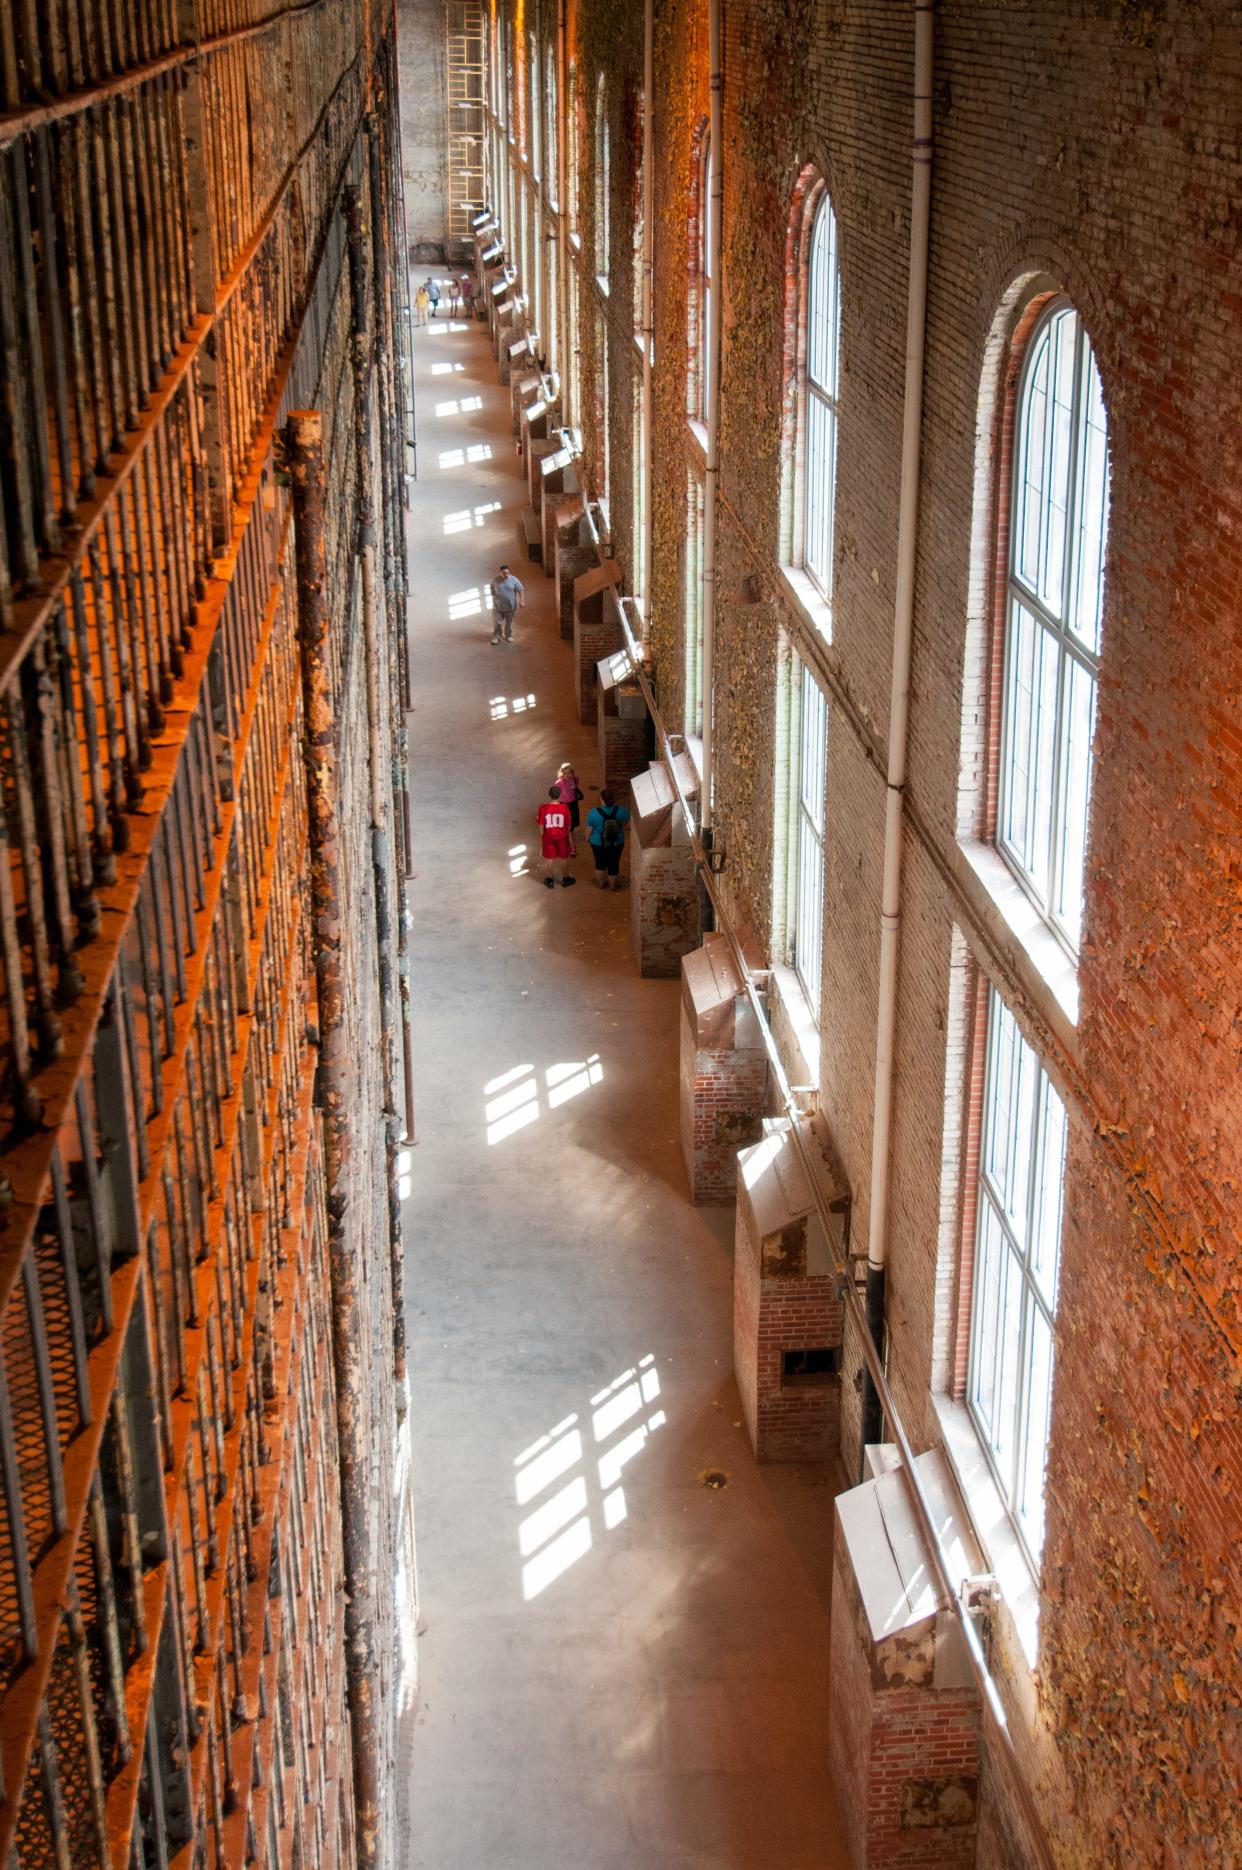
point(172, 281)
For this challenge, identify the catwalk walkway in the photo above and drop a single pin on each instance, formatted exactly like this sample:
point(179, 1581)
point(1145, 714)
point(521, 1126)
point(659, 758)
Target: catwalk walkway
point(620, 1667)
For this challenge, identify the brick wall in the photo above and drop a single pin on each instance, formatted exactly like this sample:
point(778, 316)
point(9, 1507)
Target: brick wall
point(795, 1421)
point(1094, 144)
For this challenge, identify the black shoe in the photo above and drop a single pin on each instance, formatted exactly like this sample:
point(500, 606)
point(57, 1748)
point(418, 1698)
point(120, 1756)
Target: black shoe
point(567, 881)
point(547, 883)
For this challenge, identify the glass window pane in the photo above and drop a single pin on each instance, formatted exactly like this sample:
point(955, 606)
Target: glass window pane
point(814, 751)
point(1028, 774)
point(1017, 1252)
point(823, 302)
point(1047, 1187)
point(989, 1263)
point(821, 453)
point(1077, 729)
point(809, 930)
point(1029, 1503)
point(1091, 508)
point(1058, 542)
point(810, 787)
point(819, 440)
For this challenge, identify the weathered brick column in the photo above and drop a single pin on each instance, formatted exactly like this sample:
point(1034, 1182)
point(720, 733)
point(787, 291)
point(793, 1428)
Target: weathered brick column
point(536, 414)
point(504, 327)
point(540, 448)
point(902, 1715)
point(664, 893)
point(625, 735)
point(499, 291)
point(525, 383)
point(597, 632)
point(572, 549)
point(787, 1317)
point(724, 1070)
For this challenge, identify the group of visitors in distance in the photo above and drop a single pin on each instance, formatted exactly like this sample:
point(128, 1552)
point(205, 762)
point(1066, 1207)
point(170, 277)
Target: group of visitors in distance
point(460, 297)
point(559, 816)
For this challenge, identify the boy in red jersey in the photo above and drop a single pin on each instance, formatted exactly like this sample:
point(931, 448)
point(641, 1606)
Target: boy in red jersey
point(554, 825)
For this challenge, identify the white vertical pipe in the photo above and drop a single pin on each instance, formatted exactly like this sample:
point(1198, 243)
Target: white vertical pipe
point(903, 621)
point(648, 298)
point(715, 190)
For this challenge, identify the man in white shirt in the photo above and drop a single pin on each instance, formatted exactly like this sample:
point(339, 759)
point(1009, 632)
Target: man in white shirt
point(508, 596)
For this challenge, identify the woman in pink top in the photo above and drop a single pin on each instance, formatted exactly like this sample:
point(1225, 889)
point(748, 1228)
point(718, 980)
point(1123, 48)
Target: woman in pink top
point(569, 792)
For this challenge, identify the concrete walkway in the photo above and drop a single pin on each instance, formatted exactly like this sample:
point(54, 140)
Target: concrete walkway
point(620, 1667)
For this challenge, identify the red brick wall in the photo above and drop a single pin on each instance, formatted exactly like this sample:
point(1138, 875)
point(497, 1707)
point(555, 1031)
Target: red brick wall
point(894, 1752)
point(795, 1422)
point(664, 907)
point(722, 1101)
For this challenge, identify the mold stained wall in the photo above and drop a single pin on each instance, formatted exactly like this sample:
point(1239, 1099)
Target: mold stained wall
point(1097, 143)
point(421, 52)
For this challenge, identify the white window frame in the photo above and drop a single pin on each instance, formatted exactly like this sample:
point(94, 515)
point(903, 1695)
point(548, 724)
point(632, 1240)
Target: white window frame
point(810, 811)
point(1023, 1130)
point(821, 388)
point(1054, 597)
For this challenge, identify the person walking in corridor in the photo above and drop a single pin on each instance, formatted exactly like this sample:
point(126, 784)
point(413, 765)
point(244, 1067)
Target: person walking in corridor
point(433, 293)
point(467, 295)
point(508, 597)
point(421, 303)
point(454, 296)
point(606, 824)
point(556, 847)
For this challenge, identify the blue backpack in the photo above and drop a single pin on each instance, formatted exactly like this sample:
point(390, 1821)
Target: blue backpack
point(611, 833)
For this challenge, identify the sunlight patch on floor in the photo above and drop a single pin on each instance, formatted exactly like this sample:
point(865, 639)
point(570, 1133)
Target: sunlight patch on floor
point(500, 707)
point(467, 603)
point(570, 1503)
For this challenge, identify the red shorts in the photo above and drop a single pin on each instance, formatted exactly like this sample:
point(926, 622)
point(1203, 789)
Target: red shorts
point(556, 849)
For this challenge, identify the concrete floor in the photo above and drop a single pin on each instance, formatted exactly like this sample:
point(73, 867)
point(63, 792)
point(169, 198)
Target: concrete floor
point(620, 1667)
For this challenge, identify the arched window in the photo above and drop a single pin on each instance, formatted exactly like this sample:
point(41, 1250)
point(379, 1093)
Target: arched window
point(822, 371)
point(1053, 605)
point(603, 185)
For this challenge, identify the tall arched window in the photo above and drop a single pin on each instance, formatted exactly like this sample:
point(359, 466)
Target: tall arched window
point(603, 185)
point(819, 431)
point(1053, 604)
